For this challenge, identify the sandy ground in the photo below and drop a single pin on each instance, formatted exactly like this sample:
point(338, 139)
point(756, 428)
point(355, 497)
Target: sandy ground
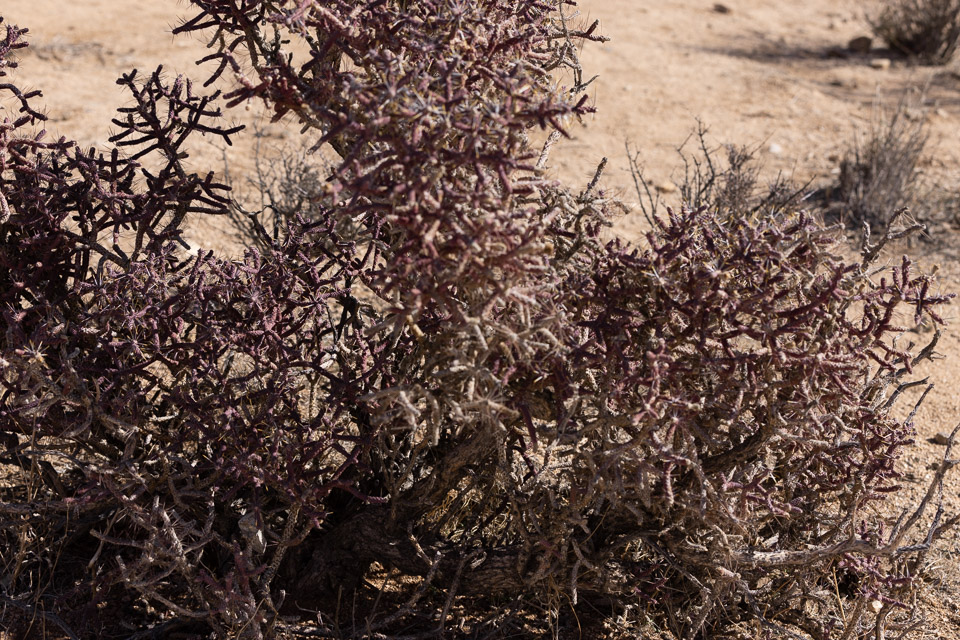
point(760, 74)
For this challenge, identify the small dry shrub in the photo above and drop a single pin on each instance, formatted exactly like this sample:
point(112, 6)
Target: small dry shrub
point(926, 29)
point(287, 182)
point(725, 179)
point(878, 174)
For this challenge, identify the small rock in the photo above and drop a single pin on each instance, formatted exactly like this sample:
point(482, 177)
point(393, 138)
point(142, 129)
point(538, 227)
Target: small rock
point(666, 187)
point(838, 52)
point(880, 63)
point(722, 8)
point(942, 113)
point(863, 44)
point(847, 83)
point(941, 438)
point(775, 149)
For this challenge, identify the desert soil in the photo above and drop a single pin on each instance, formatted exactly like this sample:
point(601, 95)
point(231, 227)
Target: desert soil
point(764, 73)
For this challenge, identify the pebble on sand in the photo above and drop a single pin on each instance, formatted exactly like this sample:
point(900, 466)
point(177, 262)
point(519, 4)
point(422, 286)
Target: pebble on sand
point(863, 44)
point(942, 437)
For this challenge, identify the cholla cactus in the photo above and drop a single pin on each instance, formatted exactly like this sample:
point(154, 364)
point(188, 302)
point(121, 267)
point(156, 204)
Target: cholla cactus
point(438, 393)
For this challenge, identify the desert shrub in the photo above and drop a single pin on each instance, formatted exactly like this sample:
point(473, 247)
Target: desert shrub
point(926, 29)
point(434, 402)
point(878, 173)
point(725, 179)
point(287, 182)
